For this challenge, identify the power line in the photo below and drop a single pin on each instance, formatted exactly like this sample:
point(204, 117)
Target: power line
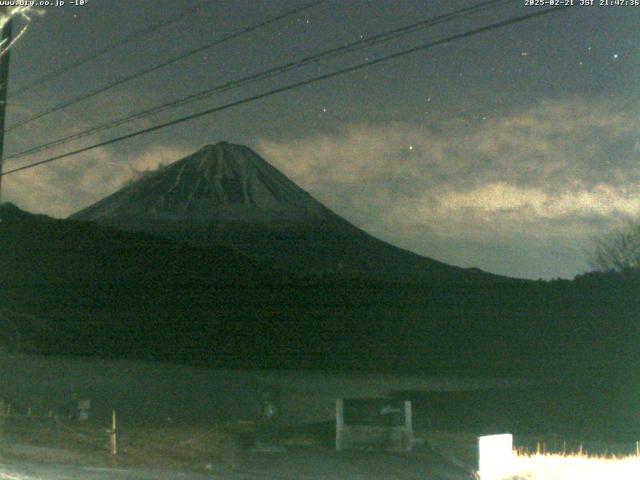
point(164, 64)
point(352, 47)
point(267, 74)
point(296, 85)
point(114, 46)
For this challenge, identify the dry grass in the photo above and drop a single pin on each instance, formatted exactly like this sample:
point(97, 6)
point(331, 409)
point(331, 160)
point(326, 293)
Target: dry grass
point(462, 449)
point(573, 467)
point(142, 446)
point(179, 447)
point(53, 432)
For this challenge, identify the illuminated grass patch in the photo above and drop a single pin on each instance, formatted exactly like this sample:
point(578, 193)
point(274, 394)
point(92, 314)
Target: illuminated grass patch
point(573, 467)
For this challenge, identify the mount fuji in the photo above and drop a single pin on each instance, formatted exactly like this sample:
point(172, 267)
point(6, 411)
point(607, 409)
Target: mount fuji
point(228, 194)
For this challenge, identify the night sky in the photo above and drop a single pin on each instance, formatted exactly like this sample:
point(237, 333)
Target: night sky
point(508, 151)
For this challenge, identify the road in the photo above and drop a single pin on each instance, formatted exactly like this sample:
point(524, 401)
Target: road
point(292, 465)
point(64, 472)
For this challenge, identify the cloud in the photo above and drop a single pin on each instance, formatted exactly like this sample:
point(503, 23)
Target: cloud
point(555, 174)
point(522, 194)
point(60, 189)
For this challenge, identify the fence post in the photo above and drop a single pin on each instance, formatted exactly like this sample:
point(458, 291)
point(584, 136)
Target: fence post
point(113, 445)
point(408, 424)
point(339, 423)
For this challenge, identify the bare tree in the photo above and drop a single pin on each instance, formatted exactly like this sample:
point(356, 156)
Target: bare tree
point(618, 250)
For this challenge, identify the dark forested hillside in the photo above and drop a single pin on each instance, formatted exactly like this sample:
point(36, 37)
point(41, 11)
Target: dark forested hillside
point(94, 290)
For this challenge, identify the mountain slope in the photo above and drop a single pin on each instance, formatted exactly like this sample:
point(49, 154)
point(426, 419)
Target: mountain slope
point(41, 251)
point(222, 183)
point(86, 289)
point(228, 194)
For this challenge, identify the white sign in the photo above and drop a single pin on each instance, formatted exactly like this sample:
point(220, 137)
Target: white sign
point(495, 456)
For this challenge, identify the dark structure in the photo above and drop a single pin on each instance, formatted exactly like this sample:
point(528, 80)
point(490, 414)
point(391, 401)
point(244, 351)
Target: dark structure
point(374, 423)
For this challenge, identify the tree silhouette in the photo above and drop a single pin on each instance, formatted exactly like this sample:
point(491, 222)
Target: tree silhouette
point(618, 250)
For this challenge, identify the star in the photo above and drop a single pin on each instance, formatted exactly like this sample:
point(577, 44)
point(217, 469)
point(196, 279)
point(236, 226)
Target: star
point(410, 147)
point(615, 56)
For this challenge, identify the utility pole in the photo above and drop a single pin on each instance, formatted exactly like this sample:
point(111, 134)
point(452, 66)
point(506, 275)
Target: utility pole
point(5, 37)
